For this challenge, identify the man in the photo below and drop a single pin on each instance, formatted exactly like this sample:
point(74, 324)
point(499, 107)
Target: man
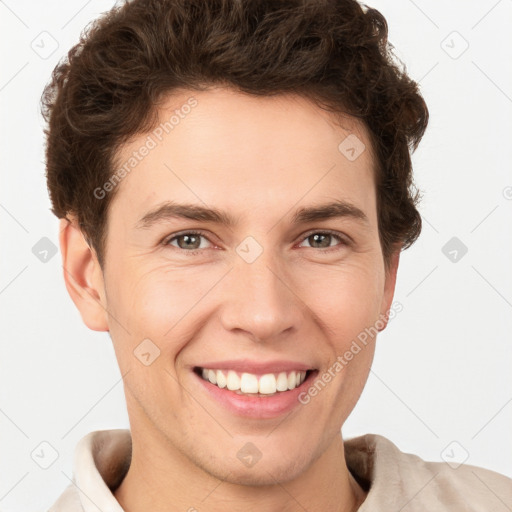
point(234, 185)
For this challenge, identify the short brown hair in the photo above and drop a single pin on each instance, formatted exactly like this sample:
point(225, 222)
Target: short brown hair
point(335, 52)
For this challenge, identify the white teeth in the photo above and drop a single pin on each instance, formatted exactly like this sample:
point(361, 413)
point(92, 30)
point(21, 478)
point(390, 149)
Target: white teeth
point(249, 383)
point(232, 381)
point(291, 380)
point(267, 384)
point(221, 379)
point(282, 382)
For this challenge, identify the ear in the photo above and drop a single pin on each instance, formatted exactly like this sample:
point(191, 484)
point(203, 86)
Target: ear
point(83, 275)
point(389, 284)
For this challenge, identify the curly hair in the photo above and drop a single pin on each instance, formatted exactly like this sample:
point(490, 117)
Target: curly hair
point(334, 52)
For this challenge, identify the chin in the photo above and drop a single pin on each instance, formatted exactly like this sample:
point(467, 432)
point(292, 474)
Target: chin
point(267, 471)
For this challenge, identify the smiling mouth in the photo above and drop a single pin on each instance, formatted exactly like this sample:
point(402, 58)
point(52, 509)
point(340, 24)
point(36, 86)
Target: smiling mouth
point(250, 384)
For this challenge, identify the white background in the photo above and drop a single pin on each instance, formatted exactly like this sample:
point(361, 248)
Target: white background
point(442, 367)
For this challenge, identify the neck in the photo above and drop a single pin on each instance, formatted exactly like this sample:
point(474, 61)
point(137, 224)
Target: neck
point(161, 478)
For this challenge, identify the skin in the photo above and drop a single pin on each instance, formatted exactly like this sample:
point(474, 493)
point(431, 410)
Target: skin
point(260, 159)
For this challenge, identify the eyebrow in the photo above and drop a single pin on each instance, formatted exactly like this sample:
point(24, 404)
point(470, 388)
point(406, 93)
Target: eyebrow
point(171, 210)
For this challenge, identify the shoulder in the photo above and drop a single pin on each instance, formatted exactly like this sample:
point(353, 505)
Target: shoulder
point(69, 500)
point(404, 481)
point(101, 459)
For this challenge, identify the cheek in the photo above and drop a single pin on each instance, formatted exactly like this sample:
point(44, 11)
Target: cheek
point(346, 300)
point(152, 307)
point(159, 303)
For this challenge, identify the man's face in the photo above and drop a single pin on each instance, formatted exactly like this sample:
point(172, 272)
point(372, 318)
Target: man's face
point(269, 289)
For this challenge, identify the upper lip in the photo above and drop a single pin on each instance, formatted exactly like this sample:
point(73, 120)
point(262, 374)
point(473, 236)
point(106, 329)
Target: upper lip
point(256, 367)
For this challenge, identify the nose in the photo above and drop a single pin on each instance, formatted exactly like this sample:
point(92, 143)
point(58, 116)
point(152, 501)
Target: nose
point(259, 300)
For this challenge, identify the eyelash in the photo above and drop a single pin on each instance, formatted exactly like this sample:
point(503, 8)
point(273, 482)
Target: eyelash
point(343, 240)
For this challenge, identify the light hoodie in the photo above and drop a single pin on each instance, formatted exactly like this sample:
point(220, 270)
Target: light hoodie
point(395, 481)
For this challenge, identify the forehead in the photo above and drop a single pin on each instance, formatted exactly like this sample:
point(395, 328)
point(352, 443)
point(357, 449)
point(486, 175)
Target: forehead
point(230, 149)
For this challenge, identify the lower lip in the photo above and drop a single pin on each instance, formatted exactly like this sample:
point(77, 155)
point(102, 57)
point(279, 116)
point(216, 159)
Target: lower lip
point(261, 407)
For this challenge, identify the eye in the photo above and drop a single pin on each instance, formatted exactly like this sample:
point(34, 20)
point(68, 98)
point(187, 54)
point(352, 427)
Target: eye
point(323, 239)
point(190, 241)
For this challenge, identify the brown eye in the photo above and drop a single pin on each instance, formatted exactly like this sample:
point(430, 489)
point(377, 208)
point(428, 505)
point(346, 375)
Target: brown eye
point(320, 240)
point(188, 241)
point(324, 239)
